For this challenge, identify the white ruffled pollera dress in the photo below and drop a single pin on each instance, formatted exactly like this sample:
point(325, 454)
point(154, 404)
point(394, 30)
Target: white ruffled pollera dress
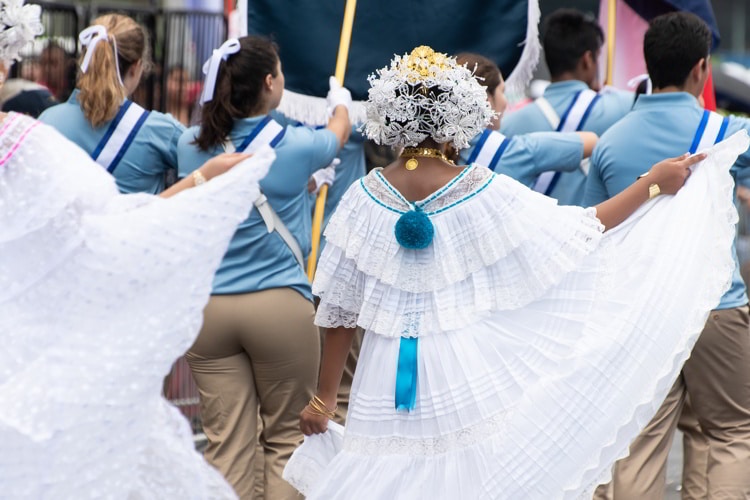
point(99, 294)
point(544, 345)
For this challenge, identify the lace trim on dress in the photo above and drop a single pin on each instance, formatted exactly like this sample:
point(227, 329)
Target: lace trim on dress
point(497, 245)
point(399, 445)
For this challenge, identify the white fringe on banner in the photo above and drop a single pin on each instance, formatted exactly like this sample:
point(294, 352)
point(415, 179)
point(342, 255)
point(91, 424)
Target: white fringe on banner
point(313, 111)
point(523, 72)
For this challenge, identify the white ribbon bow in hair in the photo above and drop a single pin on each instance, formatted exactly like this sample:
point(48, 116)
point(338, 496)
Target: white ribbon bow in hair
point(211, 67)
point(89, 38)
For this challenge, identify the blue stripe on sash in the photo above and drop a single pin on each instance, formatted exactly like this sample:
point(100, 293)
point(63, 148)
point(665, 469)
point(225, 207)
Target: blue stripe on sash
point(479, 146)
point(699, 132)
point(406, 376)
point(128, 142)
point(552, 183)
point(564, 117)
point(587, 112)
point(722, 130)
point(254, 133)
point(111, 130)
point(278, 138)
point(498, 154)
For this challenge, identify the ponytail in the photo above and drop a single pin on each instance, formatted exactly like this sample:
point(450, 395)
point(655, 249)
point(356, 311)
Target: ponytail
point(101, 93)
point(239, 89)
point(101, 89)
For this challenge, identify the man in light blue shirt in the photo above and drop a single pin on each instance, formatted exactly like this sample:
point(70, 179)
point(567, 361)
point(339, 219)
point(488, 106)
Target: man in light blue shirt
point(572, 42)
point(717, 376)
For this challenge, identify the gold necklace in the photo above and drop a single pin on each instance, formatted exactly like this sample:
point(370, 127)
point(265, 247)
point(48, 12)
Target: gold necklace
point(413, 153)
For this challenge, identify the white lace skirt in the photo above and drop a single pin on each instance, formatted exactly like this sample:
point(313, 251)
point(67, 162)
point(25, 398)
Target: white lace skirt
point(100, 294)
point(538, 402)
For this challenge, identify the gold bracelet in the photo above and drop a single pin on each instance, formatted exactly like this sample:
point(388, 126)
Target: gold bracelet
point(318, 407)
point(198, 178)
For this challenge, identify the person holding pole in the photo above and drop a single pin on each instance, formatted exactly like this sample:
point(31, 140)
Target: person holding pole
point(258, 350)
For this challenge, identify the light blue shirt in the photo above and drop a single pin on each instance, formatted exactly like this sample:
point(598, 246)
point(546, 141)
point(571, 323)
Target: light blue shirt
point(257, 260)
point(149, 156)
point(350, 170)
point(610, 107)
point(529, 155)
point(660, 126)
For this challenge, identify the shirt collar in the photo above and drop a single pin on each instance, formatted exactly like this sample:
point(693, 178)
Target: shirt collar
point(243, 126)
point(73, 99)
point(666, 99)
point(564, 88)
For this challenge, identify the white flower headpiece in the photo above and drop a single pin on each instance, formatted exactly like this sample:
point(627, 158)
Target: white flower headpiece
point(19, 25)
point(425, 94)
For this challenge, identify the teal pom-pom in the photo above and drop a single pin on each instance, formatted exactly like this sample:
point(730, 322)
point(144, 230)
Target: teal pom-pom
point(414, 230)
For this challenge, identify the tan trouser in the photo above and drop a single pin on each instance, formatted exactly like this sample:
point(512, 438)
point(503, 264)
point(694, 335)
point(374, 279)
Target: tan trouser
point(695, 446)
point(717, 378)
point(257, 353)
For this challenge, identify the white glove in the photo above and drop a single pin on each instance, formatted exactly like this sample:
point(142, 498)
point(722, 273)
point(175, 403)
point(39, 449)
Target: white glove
point(337, 96)
point(325, 175)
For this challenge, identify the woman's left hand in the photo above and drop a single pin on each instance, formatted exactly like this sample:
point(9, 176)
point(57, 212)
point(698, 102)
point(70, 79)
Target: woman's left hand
point(671, 174)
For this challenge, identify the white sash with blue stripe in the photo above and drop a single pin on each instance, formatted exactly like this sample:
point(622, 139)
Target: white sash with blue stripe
point(711, 130)
point(268, 132)
point(489, 149)
point(119, 136)
point(572, 120)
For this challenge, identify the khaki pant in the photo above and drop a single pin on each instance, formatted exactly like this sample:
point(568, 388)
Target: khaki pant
point(257, 354)
point(717, 379)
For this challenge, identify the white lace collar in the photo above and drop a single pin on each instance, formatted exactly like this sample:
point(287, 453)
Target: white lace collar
point(465, 185)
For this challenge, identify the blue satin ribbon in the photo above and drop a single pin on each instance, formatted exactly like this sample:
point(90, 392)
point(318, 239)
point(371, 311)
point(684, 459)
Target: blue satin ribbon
point(406, 376)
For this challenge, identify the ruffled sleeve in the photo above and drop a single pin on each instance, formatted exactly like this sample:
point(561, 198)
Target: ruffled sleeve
point(497, 246)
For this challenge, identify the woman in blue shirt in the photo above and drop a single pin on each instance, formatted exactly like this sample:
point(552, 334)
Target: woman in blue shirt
point(134, 145)
point(258, 350)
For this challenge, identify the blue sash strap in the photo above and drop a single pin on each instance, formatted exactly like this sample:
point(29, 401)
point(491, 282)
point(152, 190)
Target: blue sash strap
point(111, 129)
point(498, 154)
point(104, 149)
point(563, 120)
point(257, 130)
point(699, 132)
point(406, 375)
point(587, 113)
point(723, 129)
point(564, 117)
point(128, 142)
point(480, 144)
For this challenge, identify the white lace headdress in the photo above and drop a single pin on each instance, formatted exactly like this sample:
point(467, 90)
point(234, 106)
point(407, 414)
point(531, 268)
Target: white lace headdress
point(19, 24)
point(425, 94)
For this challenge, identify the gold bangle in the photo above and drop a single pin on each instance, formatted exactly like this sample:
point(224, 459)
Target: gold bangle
point(198, 178)
point(318, 407)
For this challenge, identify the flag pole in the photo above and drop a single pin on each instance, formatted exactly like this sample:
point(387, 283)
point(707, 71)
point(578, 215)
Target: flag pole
point(320, 202)
point(611, 27)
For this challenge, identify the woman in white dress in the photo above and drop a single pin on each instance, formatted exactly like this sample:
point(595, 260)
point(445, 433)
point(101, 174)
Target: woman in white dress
point(99, 294)
point(512, 348)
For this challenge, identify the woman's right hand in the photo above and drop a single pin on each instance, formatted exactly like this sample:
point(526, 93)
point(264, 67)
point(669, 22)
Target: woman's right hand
point(671, 174)
point(221, 163)
point(311, 422)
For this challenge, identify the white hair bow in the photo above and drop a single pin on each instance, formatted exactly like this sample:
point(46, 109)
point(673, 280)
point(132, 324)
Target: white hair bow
point(211, 67)
point(89, 38)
